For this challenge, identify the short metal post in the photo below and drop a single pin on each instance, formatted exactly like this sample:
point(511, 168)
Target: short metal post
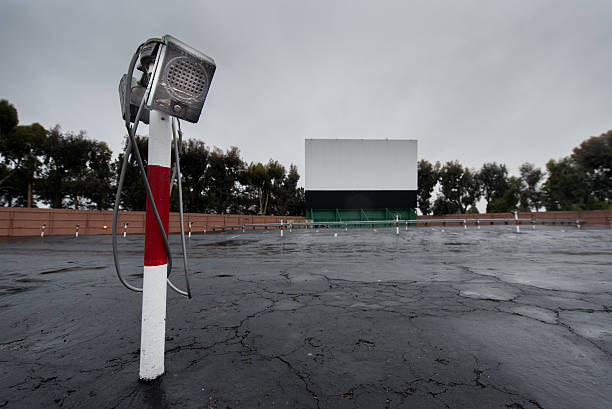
point(281, 227)
point(478, 224)
point(464, 224)
point(125, 225)
point(516, 221)
point(532, 224)
point(76, 231)
point(204, 229)
point(243, 228)
point(406, 224)
point(189, 223)
point(44, 226)
point(396, 224)
point(578, 224)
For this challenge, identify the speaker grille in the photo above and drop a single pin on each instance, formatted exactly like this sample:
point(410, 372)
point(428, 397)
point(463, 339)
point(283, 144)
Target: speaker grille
point(186, 78)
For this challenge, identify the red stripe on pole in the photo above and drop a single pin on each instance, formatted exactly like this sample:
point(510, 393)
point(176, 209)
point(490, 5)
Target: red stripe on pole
point(159, 180)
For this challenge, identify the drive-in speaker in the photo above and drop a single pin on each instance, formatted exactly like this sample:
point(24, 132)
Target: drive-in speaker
point(181, 79)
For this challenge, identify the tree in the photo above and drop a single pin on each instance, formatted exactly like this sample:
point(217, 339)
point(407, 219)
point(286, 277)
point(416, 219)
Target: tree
point(448, 202)
point(249, 194)
point(470, 191)
point(4, 173)
point(297, 203)
point(509, 199)
point(443, 206)
point(427, 179)
point(567, 185)
point(459, 189)
point(595, 156)
point(222, 179)
point(96, 181)
point(76, 164)
point(493, 179)
point(76, 171)
point(276, 174)
point(265, 181)
point(133, 194)
point(66, 169)
point(194, 162)
point(50, 187)
point(20, 148)
point(287, 195)
point(9, 118)
point(531, 195)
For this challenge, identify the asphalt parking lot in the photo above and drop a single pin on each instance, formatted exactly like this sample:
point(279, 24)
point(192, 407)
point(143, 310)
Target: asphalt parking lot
point(433, 318)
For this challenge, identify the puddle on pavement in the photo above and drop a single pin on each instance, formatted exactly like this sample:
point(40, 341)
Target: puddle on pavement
point(227, 243)
point(30, 280)
point(15, 290)
point(487, 292)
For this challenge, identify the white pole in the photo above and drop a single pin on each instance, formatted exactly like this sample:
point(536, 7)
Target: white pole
point(464, 224)
point(76, 231)
point(42, 230)
point(478, 223)
point(396, 224)
point(516, 221)
point(125, 225)
point(281, 227)
point(532, 224)
point(153, 331)
point(406, 224)
point(578, 224)
point(190, 228)
point(290, 228)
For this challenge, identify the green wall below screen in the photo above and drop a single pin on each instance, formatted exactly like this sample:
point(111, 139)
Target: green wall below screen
point(339, 215)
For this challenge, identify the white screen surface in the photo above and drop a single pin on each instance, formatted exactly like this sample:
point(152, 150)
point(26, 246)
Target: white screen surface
point(361, 164)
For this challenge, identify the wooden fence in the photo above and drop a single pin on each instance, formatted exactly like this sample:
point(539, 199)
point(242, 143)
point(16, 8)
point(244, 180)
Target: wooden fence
point(590, 217)
point(16, 221)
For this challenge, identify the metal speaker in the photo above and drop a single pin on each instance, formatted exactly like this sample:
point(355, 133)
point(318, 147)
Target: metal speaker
point(181, 79)
point(136, 95)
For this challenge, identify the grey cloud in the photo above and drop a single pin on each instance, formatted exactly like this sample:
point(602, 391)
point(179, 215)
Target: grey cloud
point(471, 80)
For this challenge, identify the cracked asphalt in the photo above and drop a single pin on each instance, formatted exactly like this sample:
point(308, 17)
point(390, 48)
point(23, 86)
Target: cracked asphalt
point(432, 318)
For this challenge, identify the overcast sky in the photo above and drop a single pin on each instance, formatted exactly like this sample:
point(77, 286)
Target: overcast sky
point(475, 81)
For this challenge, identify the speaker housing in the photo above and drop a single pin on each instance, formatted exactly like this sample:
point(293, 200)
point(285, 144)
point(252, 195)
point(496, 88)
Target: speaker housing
point(136, 95)
point(181, 80)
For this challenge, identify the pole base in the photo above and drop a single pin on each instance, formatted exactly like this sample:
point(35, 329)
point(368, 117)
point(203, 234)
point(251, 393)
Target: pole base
point(149, 381)
point(153, 332)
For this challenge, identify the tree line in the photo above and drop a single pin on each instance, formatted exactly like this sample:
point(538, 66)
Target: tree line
point(62, 170)
point(580, 181)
